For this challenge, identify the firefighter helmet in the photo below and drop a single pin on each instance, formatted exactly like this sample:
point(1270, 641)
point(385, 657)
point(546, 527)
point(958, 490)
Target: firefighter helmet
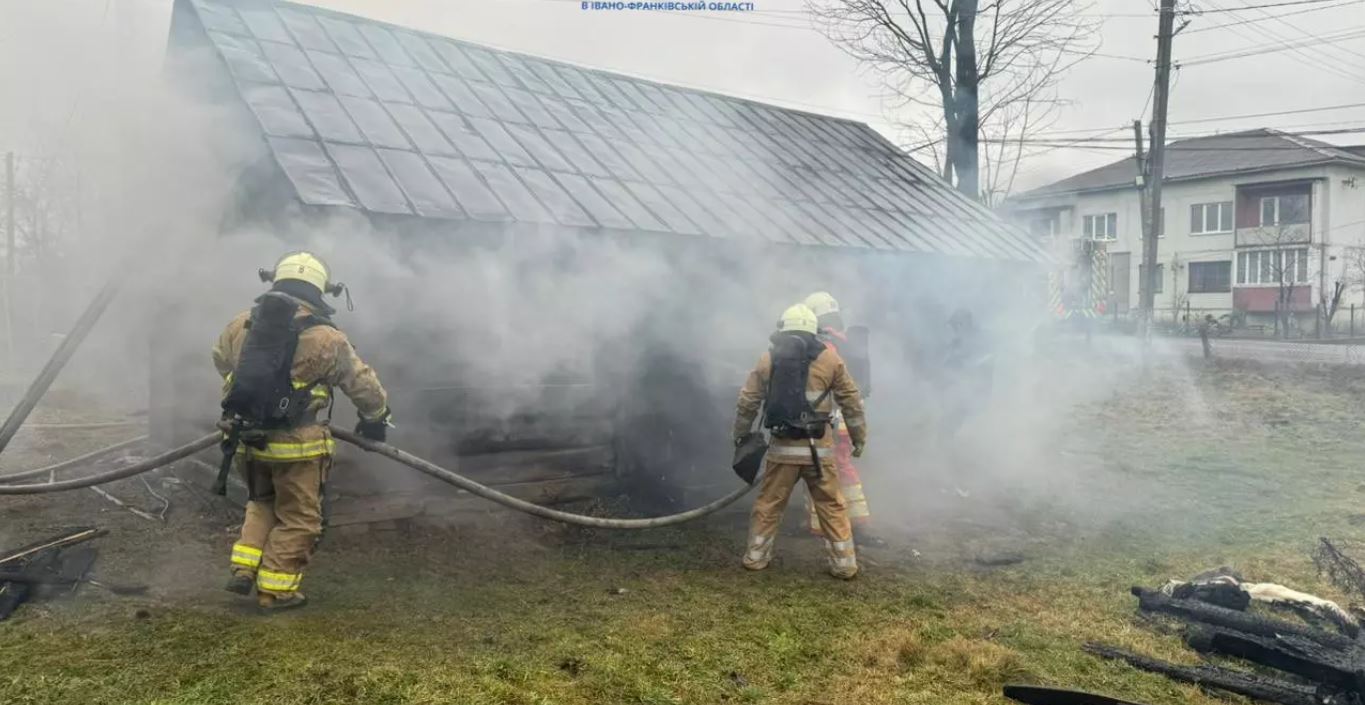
point(798, 318)
point(822, 304)
point(302, 266)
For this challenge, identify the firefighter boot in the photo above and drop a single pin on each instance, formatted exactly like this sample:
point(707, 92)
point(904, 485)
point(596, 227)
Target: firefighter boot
point(241, 582)
point(275, 603)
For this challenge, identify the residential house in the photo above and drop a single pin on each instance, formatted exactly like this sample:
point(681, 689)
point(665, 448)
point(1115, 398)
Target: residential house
point(1241, 213)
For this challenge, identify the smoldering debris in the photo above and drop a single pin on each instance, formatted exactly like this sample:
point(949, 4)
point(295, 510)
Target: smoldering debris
point(1314, 665)
point(52, 566)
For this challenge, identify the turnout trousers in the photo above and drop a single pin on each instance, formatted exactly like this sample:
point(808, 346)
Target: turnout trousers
point(283, 521)
point(850, 486)
point(775, 490)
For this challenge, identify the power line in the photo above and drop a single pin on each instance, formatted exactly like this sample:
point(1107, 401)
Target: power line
point(1301, 56)
point(1268, 17)
point(1293, 3)
point(1230, 136)
point(1066, 133)
point(1283, 46)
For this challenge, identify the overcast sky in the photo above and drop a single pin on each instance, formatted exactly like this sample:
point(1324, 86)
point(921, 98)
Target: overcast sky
point(61, 59)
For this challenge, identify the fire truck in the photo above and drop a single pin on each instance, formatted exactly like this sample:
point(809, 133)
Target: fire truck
point(1079, 286)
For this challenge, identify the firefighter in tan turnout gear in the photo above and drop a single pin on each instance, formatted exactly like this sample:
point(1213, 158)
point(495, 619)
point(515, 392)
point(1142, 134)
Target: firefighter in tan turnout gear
point(797, 384)
point(279, 363)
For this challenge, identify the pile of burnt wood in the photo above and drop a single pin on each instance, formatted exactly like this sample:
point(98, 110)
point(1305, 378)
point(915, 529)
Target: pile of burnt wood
point(51, 566)
point(1317, 659)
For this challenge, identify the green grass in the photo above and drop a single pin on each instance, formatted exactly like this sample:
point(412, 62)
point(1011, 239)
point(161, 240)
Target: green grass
point(557, 616)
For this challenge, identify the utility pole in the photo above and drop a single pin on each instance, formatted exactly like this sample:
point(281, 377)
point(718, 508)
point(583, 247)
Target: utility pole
point(10, 267)
point(1144, 216)
point(1156, 171)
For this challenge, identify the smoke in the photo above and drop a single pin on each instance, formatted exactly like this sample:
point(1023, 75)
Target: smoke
point(498, 322)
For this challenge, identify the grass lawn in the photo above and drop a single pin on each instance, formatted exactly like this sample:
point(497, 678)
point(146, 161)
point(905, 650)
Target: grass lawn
point(1232, 465)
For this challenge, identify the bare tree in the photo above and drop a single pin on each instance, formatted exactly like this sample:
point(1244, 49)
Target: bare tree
point(974, 62)
point(1284, 266)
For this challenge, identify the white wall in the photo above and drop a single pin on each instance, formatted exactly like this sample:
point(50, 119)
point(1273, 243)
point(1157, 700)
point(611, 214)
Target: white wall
point(1338, 224)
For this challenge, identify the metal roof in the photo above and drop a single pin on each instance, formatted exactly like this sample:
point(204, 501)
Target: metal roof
point(389, 120)
point(1203, 157)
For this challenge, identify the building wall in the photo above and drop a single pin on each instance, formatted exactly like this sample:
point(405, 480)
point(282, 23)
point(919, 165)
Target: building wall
point(1337, 235)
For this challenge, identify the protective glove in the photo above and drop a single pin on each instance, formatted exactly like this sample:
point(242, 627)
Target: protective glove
point(376, 429)
point(858, 449)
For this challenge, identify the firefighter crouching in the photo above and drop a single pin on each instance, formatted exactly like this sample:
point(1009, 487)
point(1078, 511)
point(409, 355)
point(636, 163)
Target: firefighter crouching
point(798, 383)
point(279, 363)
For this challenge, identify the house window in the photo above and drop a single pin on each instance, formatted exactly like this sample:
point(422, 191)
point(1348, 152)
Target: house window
point(1048, 226)
point(1272, 266)
point(1210, 277)
point(1160, 278)
point(1284, 210)
point(1104, 226)
point(1206, 218)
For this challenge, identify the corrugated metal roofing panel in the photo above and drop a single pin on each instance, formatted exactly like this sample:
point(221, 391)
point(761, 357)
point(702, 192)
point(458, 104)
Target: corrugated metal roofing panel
point(383, 42)
point(428, 197)
point(529, 105)
point(567, 146)
point(687, 201)
point(421, 52)
point(215, 16)
point(529, 80)
point(539, 148)
point(327, 116)
point(561, 205)
point(490, 66)
point(375, 123)
point(491, 96)
point(461, 96)
point(421, 88)
point(244, 58)
point(457, 60)
point(556, 82)
point(588, 197)
point(381, 81)
point(368, 179)
point(292, 66)
point(311, 172)
point(420, 129)
point(306, 30)
point(662, 208)
point(699, 162)
point(497, 137)
point(461, 134)
point(469, 189)
point(511, 191)
point(340, 77)
point(622, 199)
point(264, 24)
point(347, 37)
point(278, 115)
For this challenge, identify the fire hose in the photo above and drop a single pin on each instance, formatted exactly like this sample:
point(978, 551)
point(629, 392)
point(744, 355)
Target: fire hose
point(398, 455)
point(87, 322)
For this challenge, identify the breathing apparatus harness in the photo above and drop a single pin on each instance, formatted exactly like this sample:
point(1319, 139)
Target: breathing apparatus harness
point(262, 396)
point(787, 412)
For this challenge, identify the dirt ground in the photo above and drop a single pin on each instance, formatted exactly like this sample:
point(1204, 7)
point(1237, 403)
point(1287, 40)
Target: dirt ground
point(1002, 559)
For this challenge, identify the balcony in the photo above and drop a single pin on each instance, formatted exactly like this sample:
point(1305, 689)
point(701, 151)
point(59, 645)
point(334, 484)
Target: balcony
point(1274, 235)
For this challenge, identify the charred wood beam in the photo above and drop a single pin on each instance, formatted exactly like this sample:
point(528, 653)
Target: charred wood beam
point(1267, 689)
point(1296, 655)
point(1195, 611)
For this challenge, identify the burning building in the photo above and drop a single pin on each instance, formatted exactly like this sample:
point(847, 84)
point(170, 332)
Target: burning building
point(684, 221)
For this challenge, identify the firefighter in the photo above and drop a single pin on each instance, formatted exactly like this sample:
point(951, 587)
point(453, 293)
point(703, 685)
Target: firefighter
point(831, 325)
point(968, 372)
point(279, 363)
point(798, 383)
